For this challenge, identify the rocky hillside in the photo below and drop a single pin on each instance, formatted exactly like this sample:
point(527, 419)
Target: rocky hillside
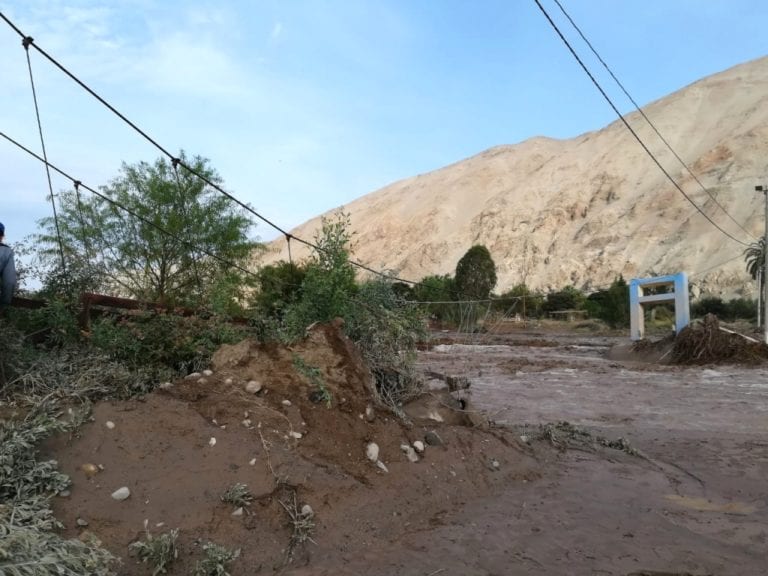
point(580, 211)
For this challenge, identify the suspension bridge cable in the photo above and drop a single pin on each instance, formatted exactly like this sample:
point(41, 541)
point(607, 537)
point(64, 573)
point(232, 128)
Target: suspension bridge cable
point(631, 130)
point(124, 208)
point(26, 41)
point(648, 120)
point(181, 163)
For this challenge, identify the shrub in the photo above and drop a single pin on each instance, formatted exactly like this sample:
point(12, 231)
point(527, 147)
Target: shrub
point(569, 298)
point(157, 551)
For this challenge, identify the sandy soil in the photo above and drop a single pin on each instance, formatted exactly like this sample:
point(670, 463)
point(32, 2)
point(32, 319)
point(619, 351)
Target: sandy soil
point(484, 502)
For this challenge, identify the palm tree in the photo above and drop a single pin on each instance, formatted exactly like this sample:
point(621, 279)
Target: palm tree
point(754, 256)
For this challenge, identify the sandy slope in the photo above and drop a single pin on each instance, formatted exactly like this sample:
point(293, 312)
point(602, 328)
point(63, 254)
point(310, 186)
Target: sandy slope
point(554, 212)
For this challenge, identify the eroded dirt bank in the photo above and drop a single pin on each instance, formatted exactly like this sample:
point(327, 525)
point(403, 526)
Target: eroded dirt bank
point(692, 500)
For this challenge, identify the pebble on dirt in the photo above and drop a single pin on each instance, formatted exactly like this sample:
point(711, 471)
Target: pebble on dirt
point(109, 424)
point(418, 445)
point(238, 511)
point(207, 372)
point(370, 414)
point(193, 376)
point(409, 452)
point(121, 493)
point(212, 442)
point(82, 523)
point(433, 439)
point(286, 402)
point(294, 434)
point(382, 466)
point(372, 451)
point(307, 511)
point(253, 387)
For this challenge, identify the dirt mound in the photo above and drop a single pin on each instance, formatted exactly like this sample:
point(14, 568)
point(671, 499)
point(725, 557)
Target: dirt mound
point(707, 343)
point(293, 424)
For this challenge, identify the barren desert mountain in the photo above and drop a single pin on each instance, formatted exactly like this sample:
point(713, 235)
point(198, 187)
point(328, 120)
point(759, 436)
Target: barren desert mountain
point(583, 210)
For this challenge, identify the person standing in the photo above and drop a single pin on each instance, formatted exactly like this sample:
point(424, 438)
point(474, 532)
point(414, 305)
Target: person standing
point(7, 271)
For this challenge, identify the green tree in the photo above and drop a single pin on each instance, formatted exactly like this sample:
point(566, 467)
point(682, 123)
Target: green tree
point(475, 274)
point(521, 299)
point(569, 298)
point(279, 286)
point(611, 305)
point(116, 251)
point(329, 281)
point(754, 256)
point(439, 291)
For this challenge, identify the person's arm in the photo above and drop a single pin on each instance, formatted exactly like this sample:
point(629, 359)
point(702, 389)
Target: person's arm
point(8, 280)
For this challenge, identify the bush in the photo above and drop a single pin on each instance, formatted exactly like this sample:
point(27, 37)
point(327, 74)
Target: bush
point(520, 299)
point(612, 305)
point(440, 291)
point(569, 298)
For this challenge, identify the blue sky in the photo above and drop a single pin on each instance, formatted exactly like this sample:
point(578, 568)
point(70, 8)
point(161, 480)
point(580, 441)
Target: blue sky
point(306, 105)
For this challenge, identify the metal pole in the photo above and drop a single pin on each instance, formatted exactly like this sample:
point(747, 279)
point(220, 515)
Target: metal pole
point(759, 296)
point(765, 262)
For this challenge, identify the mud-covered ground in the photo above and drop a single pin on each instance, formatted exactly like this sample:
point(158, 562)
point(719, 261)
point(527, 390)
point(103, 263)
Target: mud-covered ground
point(694, 502)
point(687, 496)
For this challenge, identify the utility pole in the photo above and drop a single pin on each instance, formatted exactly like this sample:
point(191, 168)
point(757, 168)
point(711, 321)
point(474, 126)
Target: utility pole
point(759, 296)
point(764, 190)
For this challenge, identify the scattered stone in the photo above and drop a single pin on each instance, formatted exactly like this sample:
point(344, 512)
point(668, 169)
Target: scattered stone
point(81, 522)
point(228, 381)
point(238, 511)
point(202, 381)
point(109, 424)
point(370, 413)
point(121, 493)
point(495, 464)
point(193, 376)
point(418, 445)
point(166, 386)
point(295, 435)
point(253, 387)
point(286, 402)
point(433, 439)
point(307, 511)
point(372, 451)
point(64, 494)
point(524, 439)
point(247, 423)
point(435, 415)
point(410, 452)
point(90, 469)
point(382, 466)
point(252, 462)
point(207, 372)
point(212, 442)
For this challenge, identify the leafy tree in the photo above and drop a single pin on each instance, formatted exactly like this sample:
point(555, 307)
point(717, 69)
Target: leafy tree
point(569, 298)
point(112, 250)
point(475, 274)
point(754, 256)
point(526, 302)
point(329, 281)
point(611, 305)
point(279, 286)
point(438, 290)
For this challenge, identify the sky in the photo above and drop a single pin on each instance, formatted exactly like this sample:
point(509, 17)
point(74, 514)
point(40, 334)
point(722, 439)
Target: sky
point(305, 105)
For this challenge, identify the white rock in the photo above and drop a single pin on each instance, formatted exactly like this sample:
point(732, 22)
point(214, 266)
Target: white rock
point(202, 381)
point(524, 439)
point(228, 381)
point(207, 372)
point(286, 402)
point(121, 493)
point(495, 464)
point(252, 462)
point(370, 413)
point(382, 466)
point(409, 452)
point(418, 445)
point(109, 424)
point(253, 387)
point(435, 415)
point(307, 511)
point(166, 386)
point(238, 511)
point(247, 423)
point(294, 434)
point(212, 442)
point(193, 376)
point(372, 451)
